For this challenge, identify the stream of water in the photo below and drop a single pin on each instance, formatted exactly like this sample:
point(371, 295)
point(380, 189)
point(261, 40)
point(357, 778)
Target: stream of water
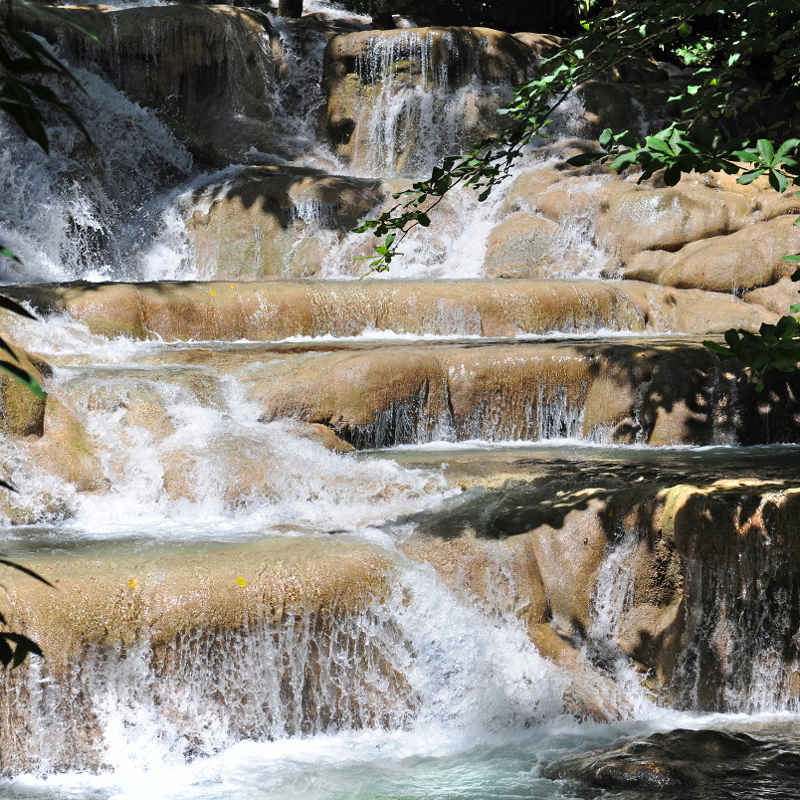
point(420, 691)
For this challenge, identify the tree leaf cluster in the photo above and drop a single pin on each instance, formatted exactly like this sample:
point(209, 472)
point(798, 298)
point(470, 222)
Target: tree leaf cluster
point(735, 111)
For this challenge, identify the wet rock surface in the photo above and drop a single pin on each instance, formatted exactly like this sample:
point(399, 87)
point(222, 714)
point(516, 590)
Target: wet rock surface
point(687, 765)
point(707, 566)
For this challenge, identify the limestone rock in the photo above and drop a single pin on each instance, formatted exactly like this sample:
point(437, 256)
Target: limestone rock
point(777, 298)
point(21, 412)
point(522, 247)
point(66, 450)
point(189, 620)
point(280, 309)
point(749, 258)
point(269, 221)
point(208, 70)
point(692, 566)
point(367, 72)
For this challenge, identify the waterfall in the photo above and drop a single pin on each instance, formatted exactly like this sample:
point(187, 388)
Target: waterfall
point(77, 214)
point(316, 537)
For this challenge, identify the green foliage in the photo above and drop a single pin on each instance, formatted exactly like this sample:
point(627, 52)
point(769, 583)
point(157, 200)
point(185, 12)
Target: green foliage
point(741, 85)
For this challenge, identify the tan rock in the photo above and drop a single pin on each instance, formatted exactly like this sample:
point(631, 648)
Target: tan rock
point(21, 411)
point(589, 694)
point(521, 247)
point(525, 188)
point(363, 69)
point(501, 577)
point(66, 450)
point(269, 221)
point(370, 400)
point(651, 219)
point(543, 44)
point(178, 615)
point(777, 298)
point(321, 434)
point(749, 258)
point(263, 311)
point(569, 558)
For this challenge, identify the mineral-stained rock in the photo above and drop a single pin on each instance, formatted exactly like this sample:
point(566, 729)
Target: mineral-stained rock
point(701, 571)
point(280, 309)
point(21, 412)
point(777, 298)
point(66, 450)
point(707, 232)
point(208, 70)
point(749, 258)
point(522, 246)
point(268, 221)
point(367, 72)
point(254, 634)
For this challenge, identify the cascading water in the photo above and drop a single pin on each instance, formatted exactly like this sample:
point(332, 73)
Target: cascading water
point(80, 213)
point(248, 607)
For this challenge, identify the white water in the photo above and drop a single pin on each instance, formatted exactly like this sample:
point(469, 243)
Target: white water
point(183, 457)
point(65, 224)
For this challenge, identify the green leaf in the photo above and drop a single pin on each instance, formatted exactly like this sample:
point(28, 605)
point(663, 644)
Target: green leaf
point(795, 259)
point(23, 377)
point(4, 251)
point(658, 144)
point(626, 159)
point(786, 327)
point(766, 150)
point(786, 147)
point(750, 176)
point(778, 181)
point(582, 159)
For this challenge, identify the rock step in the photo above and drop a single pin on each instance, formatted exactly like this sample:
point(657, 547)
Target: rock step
point(253, 632)
point(683, 554)
point(663, 393)
point(274, 310)
point(246, 634)
point(646, 391)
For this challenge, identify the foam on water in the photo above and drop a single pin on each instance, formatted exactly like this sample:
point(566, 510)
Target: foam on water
point(179, 463)
point(75, 214)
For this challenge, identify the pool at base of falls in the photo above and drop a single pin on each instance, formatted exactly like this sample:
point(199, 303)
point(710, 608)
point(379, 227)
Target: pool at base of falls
point(426, 762)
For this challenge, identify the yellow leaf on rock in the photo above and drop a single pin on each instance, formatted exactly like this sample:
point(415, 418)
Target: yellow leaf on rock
point(212, 292)
point(241, 581)
point(132, 583)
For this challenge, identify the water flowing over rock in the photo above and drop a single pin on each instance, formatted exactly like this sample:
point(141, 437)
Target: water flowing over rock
point(399, 100)
point(694, 583)
point(318, 536)
point(209, 71)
